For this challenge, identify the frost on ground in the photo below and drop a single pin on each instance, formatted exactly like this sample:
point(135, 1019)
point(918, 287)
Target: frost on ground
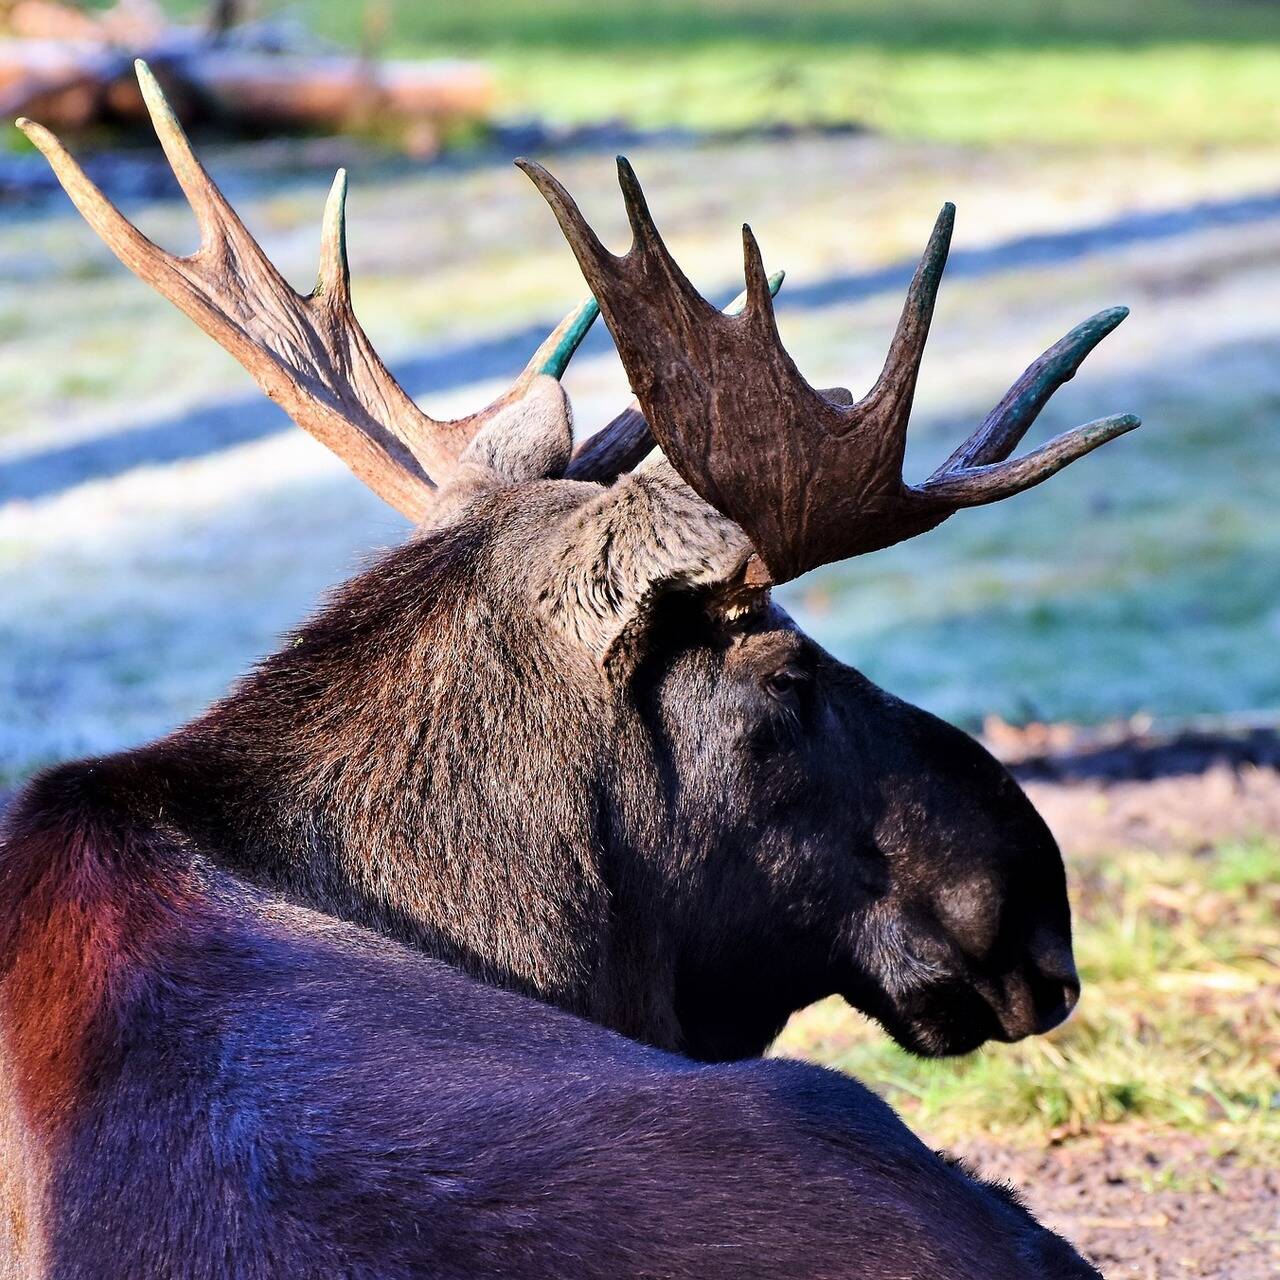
point(1144, 579)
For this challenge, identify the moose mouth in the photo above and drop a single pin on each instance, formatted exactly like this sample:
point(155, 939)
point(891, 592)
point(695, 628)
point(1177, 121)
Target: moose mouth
point(941, 1020)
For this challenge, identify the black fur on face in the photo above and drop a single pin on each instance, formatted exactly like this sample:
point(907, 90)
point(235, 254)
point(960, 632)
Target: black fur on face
point(837, 840)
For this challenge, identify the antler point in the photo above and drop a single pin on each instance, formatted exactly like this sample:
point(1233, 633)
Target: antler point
point(565, 340)
point(535, 172)
point(41, 138)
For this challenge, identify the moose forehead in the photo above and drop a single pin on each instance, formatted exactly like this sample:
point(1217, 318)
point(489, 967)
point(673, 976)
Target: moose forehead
point(731, 634)
point(767, 642)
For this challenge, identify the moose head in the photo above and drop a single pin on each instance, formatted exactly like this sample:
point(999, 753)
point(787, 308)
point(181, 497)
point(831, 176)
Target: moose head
point(564, 737)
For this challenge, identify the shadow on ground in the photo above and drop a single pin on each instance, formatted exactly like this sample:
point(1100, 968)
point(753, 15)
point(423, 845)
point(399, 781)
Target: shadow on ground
point(215, 427)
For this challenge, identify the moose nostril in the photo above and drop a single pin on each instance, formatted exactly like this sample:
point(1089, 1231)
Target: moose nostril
point(1054, 1005)
point(1071, 993)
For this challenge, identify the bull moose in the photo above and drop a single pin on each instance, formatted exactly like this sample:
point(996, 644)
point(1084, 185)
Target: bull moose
point(563, 741)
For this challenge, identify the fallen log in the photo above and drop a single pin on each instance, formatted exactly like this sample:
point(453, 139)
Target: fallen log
point(62, 81)
point(244, 79)
point(282, 92)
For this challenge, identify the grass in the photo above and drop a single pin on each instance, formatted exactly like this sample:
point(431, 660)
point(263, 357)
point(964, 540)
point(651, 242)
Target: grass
point(1178, 1026)
point(1071, 71)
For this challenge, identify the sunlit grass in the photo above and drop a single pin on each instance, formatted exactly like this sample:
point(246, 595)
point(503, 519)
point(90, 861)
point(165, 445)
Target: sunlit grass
point(1190, 93)
point(1082, 71)
point(1179, 1023)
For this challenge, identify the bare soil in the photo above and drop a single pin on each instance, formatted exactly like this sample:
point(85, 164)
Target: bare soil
point(1118, 788)
point(1147, 1204)
point(1150, 1206)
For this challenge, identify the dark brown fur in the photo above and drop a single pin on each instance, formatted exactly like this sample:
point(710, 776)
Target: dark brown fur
point(668, 845)
point(248, 1090)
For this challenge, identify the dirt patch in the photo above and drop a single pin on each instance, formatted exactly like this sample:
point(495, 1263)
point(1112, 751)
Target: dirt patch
point(1123, 787)
point(1191, 812)
point(1147, 1205)
point(1150, 1206)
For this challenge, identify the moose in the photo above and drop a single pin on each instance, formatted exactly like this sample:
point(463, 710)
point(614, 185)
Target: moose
point(561, 742)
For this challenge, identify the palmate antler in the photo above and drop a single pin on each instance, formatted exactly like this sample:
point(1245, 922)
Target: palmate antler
point(810, 476)
point(309, 354)
point(621, 444)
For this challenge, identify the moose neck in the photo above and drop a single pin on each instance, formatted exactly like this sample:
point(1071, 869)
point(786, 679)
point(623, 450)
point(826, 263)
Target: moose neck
point(412, 761)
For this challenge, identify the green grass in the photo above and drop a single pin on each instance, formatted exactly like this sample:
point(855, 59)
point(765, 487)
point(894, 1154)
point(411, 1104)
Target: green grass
point(1178, 1026)
point(1075, 71)
point(1193, 93)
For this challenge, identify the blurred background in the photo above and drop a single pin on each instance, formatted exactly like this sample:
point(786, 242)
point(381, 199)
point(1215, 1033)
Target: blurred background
point(1115, 634)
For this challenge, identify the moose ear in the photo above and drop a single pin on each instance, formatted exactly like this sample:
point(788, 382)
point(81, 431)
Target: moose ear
point(529, 439)
point(615, 555)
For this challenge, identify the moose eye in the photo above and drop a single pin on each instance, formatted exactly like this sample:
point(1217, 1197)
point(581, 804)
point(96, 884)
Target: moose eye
point(783, 684)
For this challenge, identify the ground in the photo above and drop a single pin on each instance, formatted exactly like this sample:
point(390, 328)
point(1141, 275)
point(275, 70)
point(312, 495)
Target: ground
point(1145, 1128)
point(1150, 1205)
point(162, 526)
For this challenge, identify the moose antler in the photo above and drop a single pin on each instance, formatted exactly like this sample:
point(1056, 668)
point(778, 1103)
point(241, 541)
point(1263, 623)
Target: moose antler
point(621, 444)
point(309, 354)
point(810, 476)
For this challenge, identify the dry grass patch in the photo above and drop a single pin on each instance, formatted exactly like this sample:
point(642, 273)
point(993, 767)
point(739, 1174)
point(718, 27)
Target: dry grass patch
point(1179, 1024)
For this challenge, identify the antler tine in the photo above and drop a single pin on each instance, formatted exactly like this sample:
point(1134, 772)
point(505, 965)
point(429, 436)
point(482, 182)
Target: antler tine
point(1009, 421)
point(599, 265)
point(552, 357)
point(577, 231)
point(214, 216)
point(758, 296)
point(134, 249)
point(333, 279)
point(895, 388)
point(622, 443)
point(975, 486)
point(307, 353)
point(642, 229)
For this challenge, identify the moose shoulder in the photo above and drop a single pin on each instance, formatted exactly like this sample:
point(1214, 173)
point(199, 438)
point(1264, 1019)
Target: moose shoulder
point(563, 738)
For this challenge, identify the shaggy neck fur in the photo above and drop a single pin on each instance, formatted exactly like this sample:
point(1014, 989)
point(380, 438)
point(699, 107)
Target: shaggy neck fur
point(426, 759)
